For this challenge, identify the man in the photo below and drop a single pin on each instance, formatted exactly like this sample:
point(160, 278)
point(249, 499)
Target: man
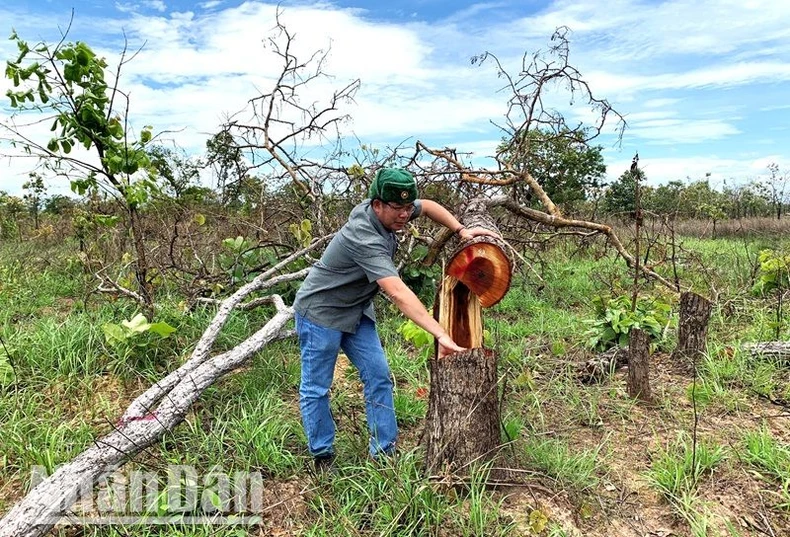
point(334, 310)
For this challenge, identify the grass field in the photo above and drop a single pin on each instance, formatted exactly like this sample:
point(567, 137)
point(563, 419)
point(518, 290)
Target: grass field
point(586, 459)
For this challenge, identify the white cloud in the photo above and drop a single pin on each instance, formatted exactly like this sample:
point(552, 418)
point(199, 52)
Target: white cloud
point(670, 67)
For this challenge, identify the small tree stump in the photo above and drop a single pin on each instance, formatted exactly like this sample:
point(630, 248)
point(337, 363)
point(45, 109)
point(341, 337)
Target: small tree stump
point(639, 366)
point(692, 326)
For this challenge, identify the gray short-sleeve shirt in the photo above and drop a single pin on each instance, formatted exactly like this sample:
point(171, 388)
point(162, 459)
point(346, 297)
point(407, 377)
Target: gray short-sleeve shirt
point(340, 287)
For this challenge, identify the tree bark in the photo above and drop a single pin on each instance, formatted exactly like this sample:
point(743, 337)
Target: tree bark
point(639, 366)
point(693, 326)
point(463, 411)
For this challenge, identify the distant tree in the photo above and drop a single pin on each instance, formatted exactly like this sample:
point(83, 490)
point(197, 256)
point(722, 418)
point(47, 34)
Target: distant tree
point(664, 199)
point(59, 204)
point(11, 208)
point(178, 174)
point(34, 195)
point(562, 163)
point(620, 197)
point(776, 189)
point(699, 200)
point(226, 158)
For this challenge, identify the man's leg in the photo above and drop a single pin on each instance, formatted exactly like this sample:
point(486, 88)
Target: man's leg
point(365, 352)
point(319, 347)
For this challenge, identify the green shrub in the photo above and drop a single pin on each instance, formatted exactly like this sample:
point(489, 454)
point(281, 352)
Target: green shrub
point(615, 320)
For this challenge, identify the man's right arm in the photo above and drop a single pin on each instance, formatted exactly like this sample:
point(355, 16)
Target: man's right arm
point(411, 307)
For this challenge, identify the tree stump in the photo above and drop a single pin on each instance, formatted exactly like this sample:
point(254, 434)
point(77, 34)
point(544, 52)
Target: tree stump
point(692, 326)
point(463, 424)
point(463, 411)
point(639, 366)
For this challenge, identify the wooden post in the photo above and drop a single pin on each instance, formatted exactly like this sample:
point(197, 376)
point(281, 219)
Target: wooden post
point(463, 424)
point(639, 366)
point(693, 326)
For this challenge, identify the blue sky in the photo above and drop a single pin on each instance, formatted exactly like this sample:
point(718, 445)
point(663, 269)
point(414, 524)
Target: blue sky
point(703, 84)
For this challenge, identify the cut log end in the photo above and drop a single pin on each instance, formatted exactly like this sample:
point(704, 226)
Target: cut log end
point(484, 268)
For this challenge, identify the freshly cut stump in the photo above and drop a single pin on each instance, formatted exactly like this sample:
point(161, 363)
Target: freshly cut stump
point(463, 411)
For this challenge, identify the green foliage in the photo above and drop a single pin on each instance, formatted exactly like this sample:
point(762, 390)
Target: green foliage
point(679, 468)
point(420, 338)
point(620, 196)
point(7, 373)
point(240, 258)
point(130, 337)
point(302, 232)
point(774, 273)
point(70, 81)
point(615, 320)
point(768, 456)
point(554, 457)
point(562, 163)
point(418, 277)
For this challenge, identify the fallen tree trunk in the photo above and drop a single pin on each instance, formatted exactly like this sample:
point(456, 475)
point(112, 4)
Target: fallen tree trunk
point(155, 412)
point(463, 423)
point(602, 365)
point(777, 351)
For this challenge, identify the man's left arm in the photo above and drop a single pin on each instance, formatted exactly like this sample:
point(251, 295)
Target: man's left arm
point(442, 216)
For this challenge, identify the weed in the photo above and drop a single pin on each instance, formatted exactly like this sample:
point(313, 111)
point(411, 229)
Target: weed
point(573, 469)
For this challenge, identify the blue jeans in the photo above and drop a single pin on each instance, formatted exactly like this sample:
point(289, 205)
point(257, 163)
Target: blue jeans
point(319, 348)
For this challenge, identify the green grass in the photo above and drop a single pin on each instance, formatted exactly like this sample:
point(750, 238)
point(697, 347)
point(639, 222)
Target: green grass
point(770, 460)
point(70, 385)
point(575, 469)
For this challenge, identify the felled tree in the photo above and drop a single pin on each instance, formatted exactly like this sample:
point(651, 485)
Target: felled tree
point(462, 426)
point(164, 405)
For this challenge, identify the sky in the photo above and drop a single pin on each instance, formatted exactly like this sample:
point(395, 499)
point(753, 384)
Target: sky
point(704, 85)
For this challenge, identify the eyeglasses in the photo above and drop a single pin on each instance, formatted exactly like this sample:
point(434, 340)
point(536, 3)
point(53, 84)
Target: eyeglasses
point(409, 207)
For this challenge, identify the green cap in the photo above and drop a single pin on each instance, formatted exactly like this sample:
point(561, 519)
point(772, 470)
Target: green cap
point(395, 185)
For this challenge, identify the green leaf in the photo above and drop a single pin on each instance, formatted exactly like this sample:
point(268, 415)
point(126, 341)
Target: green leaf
point(114, 333)
point(623, 340)
point(138, 324)
point(106, 220)
point(7, 374)
point(161, 329)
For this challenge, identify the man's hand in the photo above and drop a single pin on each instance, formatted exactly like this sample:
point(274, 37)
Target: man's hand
point(468, 234)
point(447, 346)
